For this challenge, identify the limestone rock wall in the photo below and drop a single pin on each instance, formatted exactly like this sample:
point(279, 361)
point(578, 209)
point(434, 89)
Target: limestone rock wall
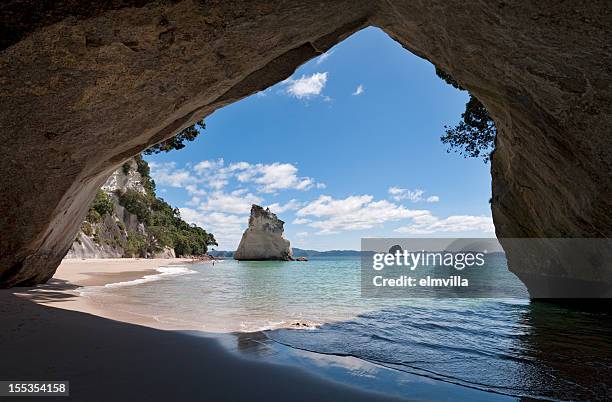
point(125, 178)
point(106, 239)
point(263, 239)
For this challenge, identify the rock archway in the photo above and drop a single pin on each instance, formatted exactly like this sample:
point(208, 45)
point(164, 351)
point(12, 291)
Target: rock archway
point(85, 85)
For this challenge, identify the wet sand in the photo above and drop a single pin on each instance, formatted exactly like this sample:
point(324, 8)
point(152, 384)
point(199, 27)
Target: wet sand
point(51, 333)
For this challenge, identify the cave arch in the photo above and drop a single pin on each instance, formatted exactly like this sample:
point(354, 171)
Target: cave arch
point(84, 88)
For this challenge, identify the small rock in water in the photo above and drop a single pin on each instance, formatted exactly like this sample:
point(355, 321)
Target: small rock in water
point(300, 324)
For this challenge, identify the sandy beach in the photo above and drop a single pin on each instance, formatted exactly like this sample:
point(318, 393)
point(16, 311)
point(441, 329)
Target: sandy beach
point(73, 274)
point(101, 271)
point(109, 356)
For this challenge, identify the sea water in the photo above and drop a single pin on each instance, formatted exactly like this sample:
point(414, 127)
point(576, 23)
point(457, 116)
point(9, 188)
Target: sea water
point(506, 347)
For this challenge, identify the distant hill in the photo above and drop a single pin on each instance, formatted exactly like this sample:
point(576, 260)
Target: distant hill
point(222, 254)
point(298, 252)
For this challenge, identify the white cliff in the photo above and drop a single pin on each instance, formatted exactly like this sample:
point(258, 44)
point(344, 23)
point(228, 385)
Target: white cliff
point(263, 239)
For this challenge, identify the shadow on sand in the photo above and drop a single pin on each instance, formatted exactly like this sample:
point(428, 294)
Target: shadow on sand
point(109, 360)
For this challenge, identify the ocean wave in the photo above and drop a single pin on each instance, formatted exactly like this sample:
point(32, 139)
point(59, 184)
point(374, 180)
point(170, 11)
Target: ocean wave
point(163, 272)
point(274, 325)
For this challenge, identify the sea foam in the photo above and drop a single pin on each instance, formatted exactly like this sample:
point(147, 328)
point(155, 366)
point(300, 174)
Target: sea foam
point(164, 272)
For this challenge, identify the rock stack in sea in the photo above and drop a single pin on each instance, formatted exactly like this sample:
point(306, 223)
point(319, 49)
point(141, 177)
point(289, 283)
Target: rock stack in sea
point(263, 239)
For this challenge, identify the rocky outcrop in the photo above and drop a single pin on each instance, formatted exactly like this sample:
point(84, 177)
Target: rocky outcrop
point(127, 219)
point(108, 237)
point(127, 177)
point(84, 88)
point(263, 239)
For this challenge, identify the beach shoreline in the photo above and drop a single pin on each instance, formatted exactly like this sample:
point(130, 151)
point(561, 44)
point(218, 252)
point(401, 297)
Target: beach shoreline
point(103, 271)
point(74, 321)
point(51, 332)
point(75, 275)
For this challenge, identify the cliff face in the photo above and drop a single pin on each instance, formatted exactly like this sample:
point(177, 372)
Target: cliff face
point(127, 219)
point(115, 232)
point(263, 239)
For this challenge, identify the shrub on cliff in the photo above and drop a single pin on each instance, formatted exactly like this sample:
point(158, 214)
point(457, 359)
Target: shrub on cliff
point(102, 204)
point(136, 203)
point(474, 135)
point(136, 245)
point(178, 141)
point(143, 168)
point(163, 222)
point(192, 240)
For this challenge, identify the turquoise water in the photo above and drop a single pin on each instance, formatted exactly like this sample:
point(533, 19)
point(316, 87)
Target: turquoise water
point(502, 346)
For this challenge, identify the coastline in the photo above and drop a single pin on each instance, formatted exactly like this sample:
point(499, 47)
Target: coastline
point(52, 323)
point(31, 310)
point(75, 275)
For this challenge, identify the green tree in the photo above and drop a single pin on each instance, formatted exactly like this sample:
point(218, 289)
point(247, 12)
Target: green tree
point(474, 135)
point(136, 203)
point(164, 226)
point(136, 245)
point(145, 173)
point(178, 141)
point(102, 204)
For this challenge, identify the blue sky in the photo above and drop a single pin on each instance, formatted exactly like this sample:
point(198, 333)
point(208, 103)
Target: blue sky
point(347, 147)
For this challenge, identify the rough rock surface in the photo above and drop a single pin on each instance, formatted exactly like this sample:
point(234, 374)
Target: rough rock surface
point(125, 178)
point(83, 89)
point(85, 246)
point(263, 239)
point(114, 228)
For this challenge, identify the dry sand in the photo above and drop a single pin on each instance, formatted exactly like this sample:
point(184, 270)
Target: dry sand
point(49, 332)
point(62, 290)
point(100, 271)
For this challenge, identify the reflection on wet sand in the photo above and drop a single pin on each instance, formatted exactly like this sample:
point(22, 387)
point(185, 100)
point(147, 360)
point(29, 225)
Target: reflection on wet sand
point(572, 347)
point(530, 350)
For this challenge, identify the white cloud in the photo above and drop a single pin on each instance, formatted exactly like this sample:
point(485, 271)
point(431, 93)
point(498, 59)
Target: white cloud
point(302, 234)
point(217, 183)
point(358, 90)
point(194, 190)
point(227, 228)
point(264, 92)
point(238, 166)
point(428, 224)
point(208, 165)
point(194, 201)
point(236, 202)
point(301, 221)
point(289, 206)
point(220, 195)
point(273, 177)
point(324, 56)
point(214, 175)
point(306, 86)
point(416, 195)
point(166, 174)
point(396, 190)
point(206, 173)
point(353, 213)
point(399, 194)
